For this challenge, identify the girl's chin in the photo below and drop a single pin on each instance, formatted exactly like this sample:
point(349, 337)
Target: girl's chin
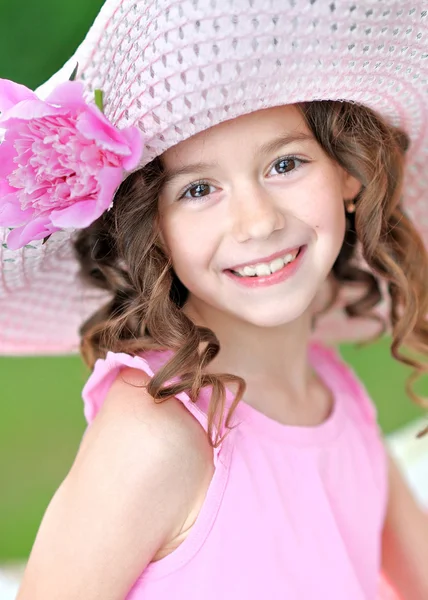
point(269, 320)
point(261, 314)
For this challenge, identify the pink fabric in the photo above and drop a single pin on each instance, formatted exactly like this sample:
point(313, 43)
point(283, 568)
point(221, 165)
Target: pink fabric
point(291, 512)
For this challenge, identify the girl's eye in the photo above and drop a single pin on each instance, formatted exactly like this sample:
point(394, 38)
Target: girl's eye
point(196, 190)
point(286, 164)
point(200, 189)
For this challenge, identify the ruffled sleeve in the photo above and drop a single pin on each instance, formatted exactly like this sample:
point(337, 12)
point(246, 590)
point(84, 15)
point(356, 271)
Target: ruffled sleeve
point(104, 373)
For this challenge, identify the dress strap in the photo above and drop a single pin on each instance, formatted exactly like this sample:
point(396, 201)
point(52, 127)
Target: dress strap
point(343, 378)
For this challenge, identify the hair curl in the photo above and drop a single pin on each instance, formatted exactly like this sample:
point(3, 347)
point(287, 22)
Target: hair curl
point(121, 254)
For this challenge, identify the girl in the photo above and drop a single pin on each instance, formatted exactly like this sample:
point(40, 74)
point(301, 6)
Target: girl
point(228, 453)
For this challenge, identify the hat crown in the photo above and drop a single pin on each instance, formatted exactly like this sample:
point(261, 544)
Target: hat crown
point(176, 68)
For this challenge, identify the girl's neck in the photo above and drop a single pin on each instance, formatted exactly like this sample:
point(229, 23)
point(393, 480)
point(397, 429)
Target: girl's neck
point(259, 354)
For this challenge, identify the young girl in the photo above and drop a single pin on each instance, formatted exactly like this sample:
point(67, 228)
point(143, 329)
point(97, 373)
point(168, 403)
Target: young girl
point(228, 454)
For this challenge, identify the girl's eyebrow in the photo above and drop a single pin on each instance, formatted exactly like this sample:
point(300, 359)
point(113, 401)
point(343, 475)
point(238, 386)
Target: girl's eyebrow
point(267, 148)
point(198, 167)
point(283, 140)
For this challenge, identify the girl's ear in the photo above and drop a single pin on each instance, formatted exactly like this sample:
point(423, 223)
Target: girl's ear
point(351, 187)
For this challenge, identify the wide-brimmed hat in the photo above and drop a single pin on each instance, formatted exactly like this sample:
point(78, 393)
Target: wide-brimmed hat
point(172, 69)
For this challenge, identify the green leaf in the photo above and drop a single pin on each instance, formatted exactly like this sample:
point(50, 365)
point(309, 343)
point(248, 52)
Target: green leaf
point(46, 239)
point(99, 100)
point(73, 75)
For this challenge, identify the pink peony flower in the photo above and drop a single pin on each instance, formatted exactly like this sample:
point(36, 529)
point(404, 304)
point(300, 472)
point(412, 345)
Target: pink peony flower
point(61, 161)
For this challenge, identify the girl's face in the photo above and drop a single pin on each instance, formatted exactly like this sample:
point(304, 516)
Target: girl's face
point(239, 199)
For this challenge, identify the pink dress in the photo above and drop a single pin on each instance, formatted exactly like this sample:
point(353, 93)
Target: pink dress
point(291, 512)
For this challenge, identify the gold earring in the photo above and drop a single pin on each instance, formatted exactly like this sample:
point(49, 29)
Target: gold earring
point(350, 207)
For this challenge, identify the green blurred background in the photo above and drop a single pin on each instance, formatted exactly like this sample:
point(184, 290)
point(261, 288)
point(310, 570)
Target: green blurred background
point(41, 418)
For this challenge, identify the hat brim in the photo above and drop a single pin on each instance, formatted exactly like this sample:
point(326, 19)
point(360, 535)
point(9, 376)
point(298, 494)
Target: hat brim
point(196, 69)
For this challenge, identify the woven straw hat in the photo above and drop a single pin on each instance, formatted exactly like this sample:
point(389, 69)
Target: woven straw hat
point(173, 68)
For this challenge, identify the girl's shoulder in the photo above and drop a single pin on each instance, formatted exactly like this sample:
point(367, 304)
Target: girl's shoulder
point(117, 403)
point(163, 443)
point(123, 500)
point(158, 440)
point(118, 384)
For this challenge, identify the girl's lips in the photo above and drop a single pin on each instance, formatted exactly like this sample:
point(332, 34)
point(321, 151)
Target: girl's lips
point(267, 259)
point(266, 280)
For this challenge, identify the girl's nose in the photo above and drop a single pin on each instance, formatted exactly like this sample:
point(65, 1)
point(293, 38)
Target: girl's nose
point(255, 215)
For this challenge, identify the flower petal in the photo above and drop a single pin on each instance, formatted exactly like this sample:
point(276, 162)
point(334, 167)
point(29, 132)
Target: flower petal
point(11, 214)
point(78, 215)
point(110, 179)
point(84, 212)
point(12, 93)
point(68, 94)
point(30, 109)
point(5, 189)
point(135, 142)
point(94, 126)
point(35, 230)
point(7, 154)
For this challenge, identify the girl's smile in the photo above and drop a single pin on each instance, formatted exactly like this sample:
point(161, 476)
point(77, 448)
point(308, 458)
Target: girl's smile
point(268, 272)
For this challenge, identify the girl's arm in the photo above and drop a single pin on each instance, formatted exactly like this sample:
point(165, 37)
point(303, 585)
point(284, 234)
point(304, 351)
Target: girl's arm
point(405, 540)
point(128, 493)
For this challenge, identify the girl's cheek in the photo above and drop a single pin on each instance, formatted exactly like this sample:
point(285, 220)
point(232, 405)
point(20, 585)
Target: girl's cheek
point(188, 239)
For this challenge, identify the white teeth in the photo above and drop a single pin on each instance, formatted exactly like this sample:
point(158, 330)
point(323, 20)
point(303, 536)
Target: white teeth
point(262, 269)
point(248, 271)
point(266, 268)
point(276, 264)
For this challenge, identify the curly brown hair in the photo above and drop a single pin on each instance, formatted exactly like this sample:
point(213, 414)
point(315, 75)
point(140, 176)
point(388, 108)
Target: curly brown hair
point(121, 253)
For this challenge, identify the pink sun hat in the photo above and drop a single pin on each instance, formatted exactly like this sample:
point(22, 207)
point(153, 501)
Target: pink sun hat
point(168, 70)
